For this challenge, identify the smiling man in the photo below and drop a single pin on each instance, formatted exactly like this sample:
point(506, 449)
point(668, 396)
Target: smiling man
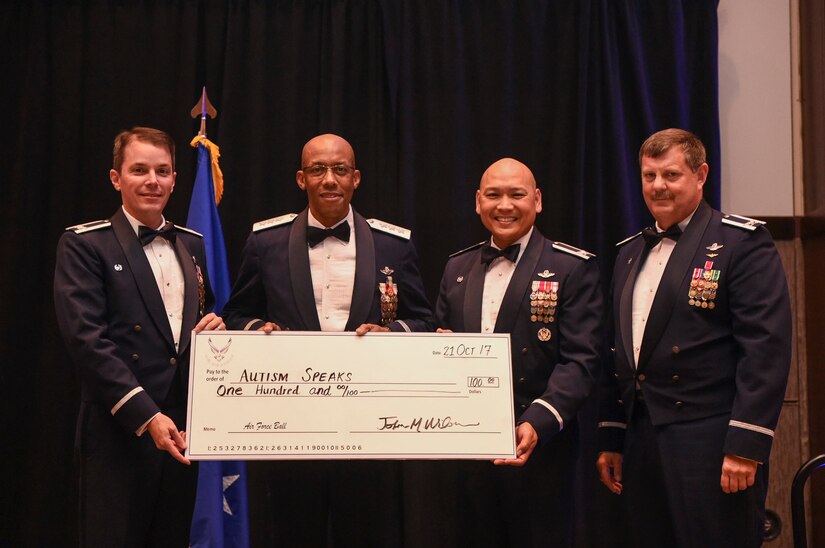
point(128, 291)
point(327, 269)
point(702, 339)
point(547, 296)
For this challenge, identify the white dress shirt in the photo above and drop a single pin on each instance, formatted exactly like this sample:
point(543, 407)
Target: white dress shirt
point(647, 283)
point(168, 274)
point(497, 278)
point(332, 265)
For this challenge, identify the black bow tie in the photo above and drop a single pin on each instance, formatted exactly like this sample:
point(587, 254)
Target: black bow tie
point(490, 253)
point(147, 234)
point(652, 238)
point(317, 235)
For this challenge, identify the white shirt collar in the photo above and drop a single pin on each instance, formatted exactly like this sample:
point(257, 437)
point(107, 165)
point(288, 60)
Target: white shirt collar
point(683, 224)
point(137, 224)
point(524, 240)
point(350, 218)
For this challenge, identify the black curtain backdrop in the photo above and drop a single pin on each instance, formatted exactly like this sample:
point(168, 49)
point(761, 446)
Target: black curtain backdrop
point(429, 93)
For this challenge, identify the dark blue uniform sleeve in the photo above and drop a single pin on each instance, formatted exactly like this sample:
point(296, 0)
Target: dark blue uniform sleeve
point(414, 311)
point(580, 326)
point(760, 312)
point(81, 308)
point(246, 308)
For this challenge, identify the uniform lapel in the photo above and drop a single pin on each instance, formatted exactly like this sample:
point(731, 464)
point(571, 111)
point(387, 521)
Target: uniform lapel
point(300, 274)
point(638, 256)
point(519, 284)
point(473, 294)
point(363, 292)
point(142, 272)
point(191, 293)
point(677, 268)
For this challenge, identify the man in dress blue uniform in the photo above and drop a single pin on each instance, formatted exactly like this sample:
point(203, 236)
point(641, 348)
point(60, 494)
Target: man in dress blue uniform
point(702, 325)
point(128, 291)
point(327, 269)
point(547, 295)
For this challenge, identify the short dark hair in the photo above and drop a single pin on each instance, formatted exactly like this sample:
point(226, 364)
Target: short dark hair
point(144, 134)
point(662, 141)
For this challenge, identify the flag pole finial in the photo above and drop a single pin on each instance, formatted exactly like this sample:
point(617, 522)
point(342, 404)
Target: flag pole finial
point(203, 108)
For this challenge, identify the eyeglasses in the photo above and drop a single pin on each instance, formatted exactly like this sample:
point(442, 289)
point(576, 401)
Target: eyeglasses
point(316, 171)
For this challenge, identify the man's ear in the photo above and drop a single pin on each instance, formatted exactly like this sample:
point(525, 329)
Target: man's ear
point(114, 176)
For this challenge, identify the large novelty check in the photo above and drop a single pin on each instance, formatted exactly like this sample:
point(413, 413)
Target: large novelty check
point(309, 395)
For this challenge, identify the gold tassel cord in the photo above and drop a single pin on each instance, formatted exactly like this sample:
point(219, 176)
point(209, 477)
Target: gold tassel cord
point(214, 153)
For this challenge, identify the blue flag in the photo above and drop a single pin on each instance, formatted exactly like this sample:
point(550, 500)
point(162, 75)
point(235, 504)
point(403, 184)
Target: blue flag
point(220, 519)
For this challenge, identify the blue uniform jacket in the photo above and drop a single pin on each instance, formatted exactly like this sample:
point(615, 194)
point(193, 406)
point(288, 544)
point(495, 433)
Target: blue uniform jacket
point(731, 357)
point(552, 375)
point(275, 282)
point(113, 320)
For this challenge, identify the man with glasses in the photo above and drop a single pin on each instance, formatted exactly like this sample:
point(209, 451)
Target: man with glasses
point(327, 269)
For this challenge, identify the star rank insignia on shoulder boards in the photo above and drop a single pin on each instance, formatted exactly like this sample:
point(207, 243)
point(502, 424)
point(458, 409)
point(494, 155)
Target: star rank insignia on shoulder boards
point(383, 226)
point(273, 222)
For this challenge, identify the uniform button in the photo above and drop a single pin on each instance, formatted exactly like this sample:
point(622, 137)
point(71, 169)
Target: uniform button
point(675, 378)
point(616, 375)
point(679, 404)
point(620, 402)
point(135, 357)
point(522, 380)
point(137, 328)
point(524, 350)
point(642, 377)
point(173, 361)
point(675, 349)
point(523, 407)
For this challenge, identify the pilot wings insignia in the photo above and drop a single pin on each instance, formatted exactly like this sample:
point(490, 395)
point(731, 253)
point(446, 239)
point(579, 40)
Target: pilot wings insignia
point(219, 353)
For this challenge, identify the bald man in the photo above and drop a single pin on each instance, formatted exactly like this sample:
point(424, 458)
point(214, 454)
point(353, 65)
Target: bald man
point(327, 269)
point(547, 296)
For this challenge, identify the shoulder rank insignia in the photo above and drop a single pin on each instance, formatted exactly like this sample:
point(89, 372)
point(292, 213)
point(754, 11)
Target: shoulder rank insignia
point(466, 249)
point(273, 222)
point(189, 230)
point(628, 239)
point(88, 227)
point(566, 248)
point(399, 231)
point(742, 222)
